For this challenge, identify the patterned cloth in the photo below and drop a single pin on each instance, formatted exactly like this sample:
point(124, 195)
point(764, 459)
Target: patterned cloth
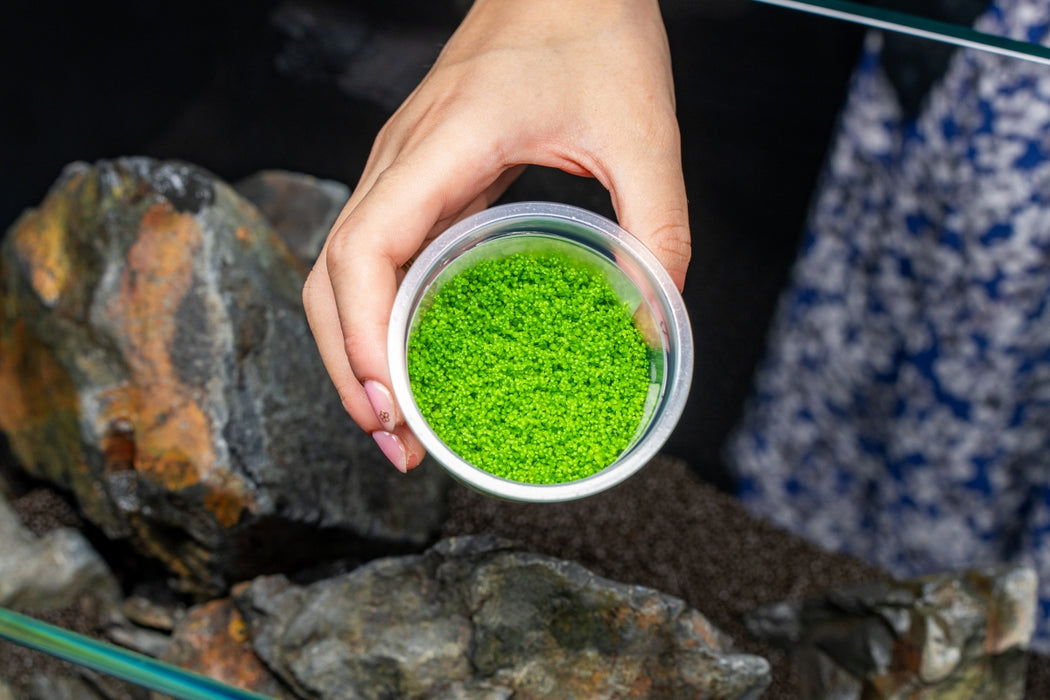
point(903, 410)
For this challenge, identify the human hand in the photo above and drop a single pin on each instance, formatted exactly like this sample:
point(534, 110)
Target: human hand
point(580, 85)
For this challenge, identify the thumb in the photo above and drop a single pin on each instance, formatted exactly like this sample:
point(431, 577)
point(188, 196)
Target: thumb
point(650, 202)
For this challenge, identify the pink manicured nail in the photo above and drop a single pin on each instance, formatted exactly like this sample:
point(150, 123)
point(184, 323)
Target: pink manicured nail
point(393, 448)
point(382, 403)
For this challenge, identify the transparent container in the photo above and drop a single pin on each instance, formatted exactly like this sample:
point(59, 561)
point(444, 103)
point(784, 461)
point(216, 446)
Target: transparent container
point(632, 272)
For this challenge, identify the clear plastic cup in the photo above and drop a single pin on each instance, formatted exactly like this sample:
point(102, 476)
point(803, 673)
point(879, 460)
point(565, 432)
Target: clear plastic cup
point(633, 273)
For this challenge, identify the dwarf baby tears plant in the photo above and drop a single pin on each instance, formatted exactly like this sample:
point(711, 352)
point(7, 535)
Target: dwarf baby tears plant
point(531, 368)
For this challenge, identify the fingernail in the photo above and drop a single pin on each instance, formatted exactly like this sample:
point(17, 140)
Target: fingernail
point(393, 448)
point(382, 403)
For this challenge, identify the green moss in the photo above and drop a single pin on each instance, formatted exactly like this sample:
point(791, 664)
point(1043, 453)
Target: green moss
point(531, 368)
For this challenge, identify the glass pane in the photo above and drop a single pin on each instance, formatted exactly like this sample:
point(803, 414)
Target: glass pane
point(926, 254)
point(930, 24)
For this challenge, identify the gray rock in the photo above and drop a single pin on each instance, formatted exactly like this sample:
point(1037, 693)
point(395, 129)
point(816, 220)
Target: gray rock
point(950, 635)
point(52, 687)
point(48, 572)
point(479, 618)
point(151, 614)
point(301, 208)
point(144, 641)
point(155, 361)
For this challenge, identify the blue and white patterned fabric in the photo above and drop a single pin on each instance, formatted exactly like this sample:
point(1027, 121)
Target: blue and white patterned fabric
point(903, 410)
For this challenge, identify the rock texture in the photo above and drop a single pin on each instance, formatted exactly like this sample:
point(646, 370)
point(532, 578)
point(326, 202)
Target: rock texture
point(480, 618)
point(155, 361)
point(213, 640)
point(301, 208)
point(952, 635)
point(44, 687)
point(51, 571)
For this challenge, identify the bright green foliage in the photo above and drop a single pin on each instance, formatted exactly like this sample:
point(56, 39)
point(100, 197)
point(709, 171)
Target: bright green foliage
point(531, 368)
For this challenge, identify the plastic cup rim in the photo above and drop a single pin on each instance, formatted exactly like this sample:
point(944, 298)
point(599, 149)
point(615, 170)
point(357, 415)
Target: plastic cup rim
point(675, 392)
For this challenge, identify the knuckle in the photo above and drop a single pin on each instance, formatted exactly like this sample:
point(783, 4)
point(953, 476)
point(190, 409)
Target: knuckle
point(311, 290)
point(671, 244)
point(340, 253)
point(354, 345)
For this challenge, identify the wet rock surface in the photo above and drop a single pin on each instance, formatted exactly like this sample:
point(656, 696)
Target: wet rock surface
point(155, 361)
point(482, 618)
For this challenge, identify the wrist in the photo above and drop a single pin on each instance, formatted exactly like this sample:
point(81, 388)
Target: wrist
point(550, 21)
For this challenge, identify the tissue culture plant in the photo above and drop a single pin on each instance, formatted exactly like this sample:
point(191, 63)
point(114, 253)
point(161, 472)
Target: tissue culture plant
point(530, 367)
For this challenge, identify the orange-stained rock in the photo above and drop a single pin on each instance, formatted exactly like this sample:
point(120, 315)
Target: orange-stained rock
point(38, 410)
point(155, 361)
point(212, 639)
point(176, 446)
point(41, 243)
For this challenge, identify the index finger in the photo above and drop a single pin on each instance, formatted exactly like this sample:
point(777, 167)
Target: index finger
point(373, 241)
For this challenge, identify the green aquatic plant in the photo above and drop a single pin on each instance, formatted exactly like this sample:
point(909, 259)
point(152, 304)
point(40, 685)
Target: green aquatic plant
point(530, 367)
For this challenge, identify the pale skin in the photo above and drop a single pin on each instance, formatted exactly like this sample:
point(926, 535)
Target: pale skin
point(580, 85)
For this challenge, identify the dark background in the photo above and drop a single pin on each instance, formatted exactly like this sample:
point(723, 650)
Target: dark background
point(304, 86)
